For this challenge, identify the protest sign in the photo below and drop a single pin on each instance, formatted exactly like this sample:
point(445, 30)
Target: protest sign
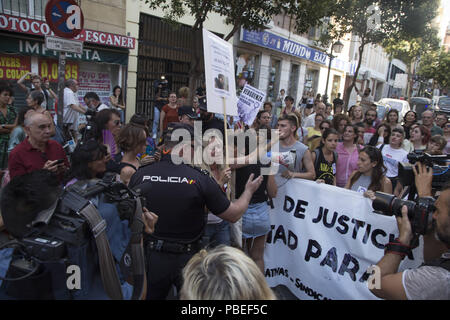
point(323, 240)
point(219, 74)
point(249, 103)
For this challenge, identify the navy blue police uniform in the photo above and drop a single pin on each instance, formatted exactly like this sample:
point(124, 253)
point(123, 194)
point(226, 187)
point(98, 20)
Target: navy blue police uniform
point(178, 194)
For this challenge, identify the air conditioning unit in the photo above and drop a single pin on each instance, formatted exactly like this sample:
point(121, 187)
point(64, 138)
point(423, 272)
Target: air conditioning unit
point(366, 75)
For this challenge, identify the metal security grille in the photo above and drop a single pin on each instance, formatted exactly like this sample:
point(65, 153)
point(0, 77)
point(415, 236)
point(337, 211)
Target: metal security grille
point(164, 50)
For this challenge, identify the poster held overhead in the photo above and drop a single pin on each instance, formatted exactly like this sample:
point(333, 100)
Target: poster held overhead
point(249, 103)
point(219, 74)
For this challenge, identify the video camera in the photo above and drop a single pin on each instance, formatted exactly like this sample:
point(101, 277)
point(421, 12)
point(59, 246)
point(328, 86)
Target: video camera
point(60, 234)
point(439, 164)
point(419, 212)
point(163, 83)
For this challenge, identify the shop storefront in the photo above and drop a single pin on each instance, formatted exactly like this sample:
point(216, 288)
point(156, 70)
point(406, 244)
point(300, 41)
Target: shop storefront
point(287, 64)
point(100, 67)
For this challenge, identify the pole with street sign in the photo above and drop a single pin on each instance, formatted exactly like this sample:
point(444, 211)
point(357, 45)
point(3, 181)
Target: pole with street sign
point(66, 20)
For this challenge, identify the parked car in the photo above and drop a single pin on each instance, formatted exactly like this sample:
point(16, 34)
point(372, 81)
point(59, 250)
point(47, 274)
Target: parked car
point(420, 104)
point(443, 105)
point(401, 106)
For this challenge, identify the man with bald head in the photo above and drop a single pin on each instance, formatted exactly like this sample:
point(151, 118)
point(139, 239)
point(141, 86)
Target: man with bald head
point(37, 151)
point(320, 108)
point(428, 121)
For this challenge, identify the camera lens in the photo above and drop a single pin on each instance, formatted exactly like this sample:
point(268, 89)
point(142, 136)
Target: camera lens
point(383, 203)
point(397, 205)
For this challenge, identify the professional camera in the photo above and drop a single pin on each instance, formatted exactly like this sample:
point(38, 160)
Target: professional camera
point(419, 212)
point(59, 236)
point(439, 163)
point(163, 84)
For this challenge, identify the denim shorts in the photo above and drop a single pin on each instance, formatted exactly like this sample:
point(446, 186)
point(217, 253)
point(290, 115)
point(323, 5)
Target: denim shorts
point(255, 221)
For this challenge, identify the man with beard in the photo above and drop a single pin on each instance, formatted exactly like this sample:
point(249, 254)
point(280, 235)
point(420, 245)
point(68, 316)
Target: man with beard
point(369, 119)
point(209, 121)
point(431, 281)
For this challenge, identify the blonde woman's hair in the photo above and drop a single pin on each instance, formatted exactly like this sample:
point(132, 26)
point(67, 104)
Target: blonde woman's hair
point(224, 273)
point(183, 92)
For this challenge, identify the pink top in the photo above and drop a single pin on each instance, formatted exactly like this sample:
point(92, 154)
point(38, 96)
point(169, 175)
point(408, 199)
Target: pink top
point(346, 164)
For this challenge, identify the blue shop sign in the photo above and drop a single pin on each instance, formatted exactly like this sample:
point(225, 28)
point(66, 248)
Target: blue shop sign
point(271, 41)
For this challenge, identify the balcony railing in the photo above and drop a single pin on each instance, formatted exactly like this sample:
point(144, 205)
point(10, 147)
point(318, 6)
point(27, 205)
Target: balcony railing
point(31, 9)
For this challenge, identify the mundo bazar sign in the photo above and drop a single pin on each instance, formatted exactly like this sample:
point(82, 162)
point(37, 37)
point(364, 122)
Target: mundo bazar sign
point(40, 28)
point(272, 41)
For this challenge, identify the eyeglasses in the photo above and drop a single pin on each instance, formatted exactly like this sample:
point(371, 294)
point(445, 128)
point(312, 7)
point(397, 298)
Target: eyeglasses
point(117, 122)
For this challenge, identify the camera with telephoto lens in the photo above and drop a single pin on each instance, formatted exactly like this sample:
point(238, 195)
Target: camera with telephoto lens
point(56, 231)
point(439, 164)
point(419, 212)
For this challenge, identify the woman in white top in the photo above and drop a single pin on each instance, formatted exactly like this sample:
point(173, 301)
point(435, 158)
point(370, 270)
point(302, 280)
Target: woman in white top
point(393, 153)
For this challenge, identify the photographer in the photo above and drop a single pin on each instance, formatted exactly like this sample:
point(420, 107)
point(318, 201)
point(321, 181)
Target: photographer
point(38, 197)
point(431, 280)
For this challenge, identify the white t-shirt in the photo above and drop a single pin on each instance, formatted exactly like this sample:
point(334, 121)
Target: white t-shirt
point(427, 283)
point(101, 107)
point(70, 115)
point(310, 121)
point(391, 159)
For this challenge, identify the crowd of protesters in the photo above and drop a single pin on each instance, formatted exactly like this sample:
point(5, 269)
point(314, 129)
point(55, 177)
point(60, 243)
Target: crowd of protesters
point(346, 147)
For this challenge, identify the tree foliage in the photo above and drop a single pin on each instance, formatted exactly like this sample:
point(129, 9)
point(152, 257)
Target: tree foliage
point(374, 22)
point(250, 14)
point(436, 65)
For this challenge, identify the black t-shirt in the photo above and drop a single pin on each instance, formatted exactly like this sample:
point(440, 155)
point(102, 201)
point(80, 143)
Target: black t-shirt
point(338, 101)
point(242, 175)
point(201, 92)
point(178, 195)
point(161, 93)
point(214, 123)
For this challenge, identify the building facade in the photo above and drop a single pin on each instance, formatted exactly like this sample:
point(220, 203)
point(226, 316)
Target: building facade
point(162, 50)
point(278, 58)
point(101, 66)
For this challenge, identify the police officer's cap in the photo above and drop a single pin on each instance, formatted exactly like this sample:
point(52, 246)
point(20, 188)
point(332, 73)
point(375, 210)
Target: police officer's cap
point(202, 104)
point(187, 110)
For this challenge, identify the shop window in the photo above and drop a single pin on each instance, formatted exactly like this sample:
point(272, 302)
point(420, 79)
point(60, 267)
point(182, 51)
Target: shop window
point(335, 88)
point(293, 80)
point(274, 79)
point(311, 80)
point(246, 70)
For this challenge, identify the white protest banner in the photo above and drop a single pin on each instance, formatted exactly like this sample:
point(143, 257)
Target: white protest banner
point(249, 103)
point(219, 74)
point(323, 240)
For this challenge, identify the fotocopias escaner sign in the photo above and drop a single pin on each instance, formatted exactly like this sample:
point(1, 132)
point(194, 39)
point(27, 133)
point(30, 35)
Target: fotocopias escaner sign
point(64, 18)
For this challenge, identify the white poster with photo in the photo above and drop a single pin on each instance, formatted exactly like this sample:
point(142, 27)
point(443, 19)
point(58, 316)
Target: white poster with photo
point(324, 238)
point(249, 103)
point(219, 74)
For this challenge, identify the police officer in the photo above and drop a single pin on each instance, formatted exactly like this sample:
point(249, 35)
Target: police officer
point(187, 114)
point(178, 194)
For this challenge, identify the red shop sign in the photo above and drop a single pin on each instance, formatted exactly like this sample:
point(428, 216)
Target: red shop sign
point(48, 68)
point(40, 28)
point(14, 67)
